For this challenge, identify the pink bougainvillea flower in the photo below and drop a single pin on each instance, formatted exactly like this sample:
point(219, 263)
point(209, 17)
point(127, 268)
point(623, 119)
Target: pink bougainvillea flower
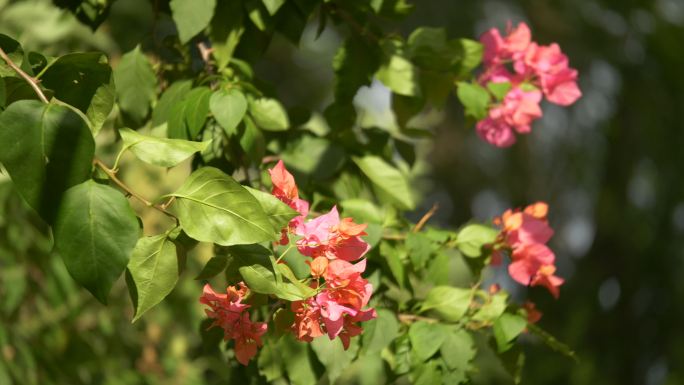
point(230, 314)
point(545, 277)
point(285, 189)
point(498, 49)
point(525, 64)
point(550, 66)
point(521, 108)
point(351, 329)
point(327, 236)
point(319, 266)
point(527, 260)
point(521, 228)
point(494, 130)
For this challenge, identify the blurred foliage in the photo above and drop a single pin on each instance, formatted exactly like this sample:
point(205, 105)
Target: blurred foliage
point(609, 167)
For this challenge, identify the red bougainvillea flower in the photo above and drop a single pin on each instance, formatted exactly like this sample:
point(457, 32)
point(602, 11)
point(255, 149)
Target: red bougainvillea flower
point(531, 70)
point(307, 324)
point(285, 189)
point(230, 314)
point(339, 307)
point(329, 237)
point(533, 315)
point(525, 233)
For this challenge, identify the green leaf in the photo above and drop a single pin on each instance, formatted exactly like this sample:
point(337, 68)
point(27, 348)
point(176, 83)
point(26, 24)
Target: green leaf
point(429, 48)
point(475, 99)
point(259, 279)
point(426, 338)
point(499, 90)
point(354, 63)
point(279, 214)
point(387, 178)
point(14, 51)
point(228, 107)
point(171, 97)
point(272, 6)
point(226, 30)
point(196, 110)
point(313, 156)
point(269, 114)
point(333, 356)
point(252, 141)
point(160, 151)
point(176, 128)
point(270, 360)
point(95, 232)
point(393, 256)
point(427, 374)
point(399, 75)
point(450, 303)
point(472, 238)
point(191, 16)
point(213, 207)
point(46, 149)
point(305, 290)
point(154, 269)
point(3, 94)
point(420, 249)
point(215, 266)
point(379, 332)
point(136, 84)
point(458, 350)
point(298, 365)
point(506, 329)
point(493, 308)
point(471, 53)
point(84, 81)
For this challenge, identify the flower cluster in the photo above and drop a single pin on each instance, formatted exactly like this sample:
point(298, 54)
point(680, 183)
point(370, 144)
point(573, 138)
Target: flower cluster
point(332, 243)
point(230, 314)
point(533, 71)
point(526, 233)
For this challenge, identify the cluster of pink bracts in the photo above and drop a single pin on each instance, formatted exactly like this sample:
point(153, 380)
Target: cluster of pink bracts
point(342, 294)
point(533, 71)
point(525, 233)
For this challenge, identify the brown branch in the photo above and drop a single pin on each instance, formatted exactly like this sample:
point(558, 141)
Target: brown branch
point(112, 175)
point(29, 79)
point(425, 218)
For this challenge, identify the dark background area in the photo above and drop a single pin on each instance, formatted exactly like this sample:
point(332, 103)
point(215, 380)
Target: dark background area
point(609, 166)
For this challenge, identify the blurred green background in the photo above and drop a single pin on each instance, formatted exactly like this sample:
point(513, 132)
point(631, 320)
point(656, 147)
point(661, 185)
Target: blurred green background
point(609, 166)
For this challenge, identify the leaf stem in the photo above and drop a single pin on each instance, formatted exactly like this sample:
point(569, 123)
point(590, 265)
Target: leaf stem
point(112, 175)
point(284, 252)
point(425, 218)
point(30, 80)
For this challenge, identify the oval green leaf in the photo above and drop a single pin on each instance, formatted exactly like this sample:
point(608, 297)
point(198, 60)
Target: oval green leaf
point(154, 269)
point(160, 151)
point(213, 207)
point(46, 148)
point(95, 232)
point(229, 107)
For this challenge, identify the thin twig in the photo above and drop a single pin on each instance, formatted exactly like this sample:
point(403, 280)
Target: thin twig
point(425, 218)
point(410, 318)
point(112, 175)
point(360, 29)
point(29, 79)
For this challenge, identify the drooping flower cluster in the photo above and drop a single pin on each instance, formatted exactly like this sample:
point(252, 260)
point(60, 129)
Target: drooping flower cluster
point(526, 233)
point(332, 243)
point(533, 71)
point(231, 315)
